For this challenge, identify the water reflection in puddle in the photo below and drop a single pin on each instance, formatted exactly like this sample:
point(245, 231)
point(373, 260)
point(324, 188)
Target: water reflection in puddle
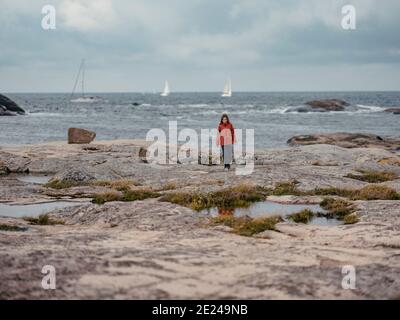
point(35, 179)
point(33, 210)
point(269, 208)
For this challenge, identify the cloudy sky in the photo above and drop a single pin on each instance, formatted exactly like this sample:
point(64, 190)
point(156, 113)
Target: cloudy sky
point(134, 45)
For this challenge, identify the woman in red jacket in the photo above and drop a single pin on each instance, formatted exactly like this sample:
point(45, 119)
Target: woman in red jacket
point(226, 139)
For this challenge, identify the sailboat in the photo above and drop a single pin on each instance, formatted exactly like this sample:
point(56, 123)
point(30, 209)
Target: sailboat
point(83, 98)
point(166, 91)
point(227, 89)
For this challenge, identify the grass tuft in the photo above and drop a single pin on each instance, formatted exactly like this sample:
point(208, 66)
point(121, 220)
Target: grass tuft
point(57, 184)
point(240, 196)
point(351, 219)
point(127, 195)
point(103, 197)
point(246, 226)
point(169, 186)
point(43, 220)
point(375, 192)
point(6, 227)
point(304, 216)
point(373, 176)
point(119, 185)
point(337, 208)
point(286, 188)
point(340, 209)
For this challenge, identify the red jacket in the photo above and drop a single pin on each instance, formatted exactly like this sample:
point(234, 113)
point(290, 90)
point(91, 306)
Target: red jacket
point(226, 134)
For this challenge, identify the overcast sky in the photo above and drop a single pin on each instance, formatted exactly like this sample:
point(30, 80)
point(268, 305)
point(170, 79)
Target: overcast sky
point(134, 45)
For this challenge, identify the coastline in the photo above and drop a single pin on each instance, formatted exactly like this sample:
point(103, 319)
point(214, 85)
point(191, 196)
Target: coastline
point(149, 249)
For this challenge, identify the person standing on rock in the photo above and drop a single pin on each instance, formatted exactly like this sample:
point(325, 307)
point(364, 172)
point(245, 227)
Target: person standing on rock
point(226, 139)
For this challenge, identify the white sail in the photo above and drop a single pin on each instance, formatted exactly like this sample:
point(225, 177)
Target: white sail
point(227, 89)
point(83, 98)
point(166, 91)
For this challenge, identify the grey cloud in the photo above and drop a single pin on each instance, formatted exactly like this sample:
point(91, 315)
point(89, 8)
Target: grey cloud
point(125, 40)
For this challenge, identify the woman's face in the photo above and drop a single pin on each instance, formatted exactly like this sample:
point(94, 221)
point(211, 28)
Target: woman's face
point(225, 120)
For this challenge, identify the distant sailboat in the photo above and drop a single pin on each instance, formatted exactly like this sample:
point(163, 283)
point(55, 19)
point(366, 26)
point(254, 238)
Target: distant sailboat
point(227, 89)
point(83, 98)
point(166, 91)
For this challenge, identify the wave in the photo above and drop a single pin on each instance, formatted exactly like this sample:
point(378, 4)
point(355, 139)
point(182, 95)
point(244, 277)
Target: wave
point(196, 105)
point(43, 114)
point(370, 108)
point(354, 109)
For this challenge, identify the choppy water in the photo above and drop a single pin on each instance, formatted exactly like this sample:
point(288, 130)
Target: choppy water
point(50, 115)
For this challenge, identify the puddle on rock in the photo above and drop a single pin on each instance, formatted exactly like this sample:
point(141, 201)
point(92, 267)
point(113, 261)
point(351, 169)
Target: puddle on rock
point(269, 209)
point(34, 210)
point(35, 179)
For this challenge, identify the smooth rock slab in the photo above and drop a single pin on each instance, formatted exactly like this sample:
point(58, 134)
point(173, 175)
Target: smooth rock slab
point(347, 140)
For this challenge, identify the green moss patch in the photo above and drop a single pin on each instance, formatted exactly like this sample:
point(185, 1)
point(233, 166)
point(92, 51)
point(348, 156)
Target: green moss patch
point(304, 216)
point(373, 176)
point(43, 220)
point(246, 226)
point(11, 228)
point(126, 195)
point(235, 197)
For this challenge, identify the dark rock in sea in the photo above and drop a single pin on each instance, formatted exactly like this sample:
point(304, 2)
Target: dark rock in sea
point(347, 140)
point(4, 112)
point(9, 107)
point(80, 136)
point(393, 110)
point(327, 105)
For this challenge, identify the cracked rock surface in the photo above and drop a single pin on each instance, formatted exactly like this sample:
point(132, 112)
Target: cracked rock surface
point(150, 249)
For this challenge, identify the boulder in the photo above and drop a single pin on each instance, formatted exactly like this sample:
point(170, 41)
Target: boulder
point(347, 140)
point(143, 154)
point(9, 107)
point(80, 136)
point(78, 176)
point(3, 168)
point(327, 105)
point(393, 110)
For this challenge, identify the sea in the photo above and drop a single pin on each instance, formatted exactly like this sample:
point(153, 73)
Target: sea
point(272, 115)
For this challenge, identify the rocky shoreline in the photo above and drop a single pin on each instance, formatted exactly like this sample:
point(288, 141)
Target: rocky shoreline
point(148, 249)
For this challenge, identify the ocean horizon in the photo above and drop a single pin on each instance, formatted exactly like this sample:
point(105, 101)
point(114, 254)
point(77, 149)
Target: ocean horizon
point(275, 116)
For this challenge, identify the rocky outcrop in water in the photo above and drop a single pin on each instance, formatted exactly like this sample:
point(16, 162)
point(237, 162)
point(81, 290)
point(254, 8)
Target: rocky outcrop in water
point(9, 107)
point(393, 110)
point(329, 105)
point(347, 140)
point(80, 136)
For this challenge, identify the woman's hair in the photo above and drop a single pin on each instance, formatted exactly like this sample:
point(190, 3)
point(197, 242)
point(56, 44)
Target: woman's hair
point(224, 116)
